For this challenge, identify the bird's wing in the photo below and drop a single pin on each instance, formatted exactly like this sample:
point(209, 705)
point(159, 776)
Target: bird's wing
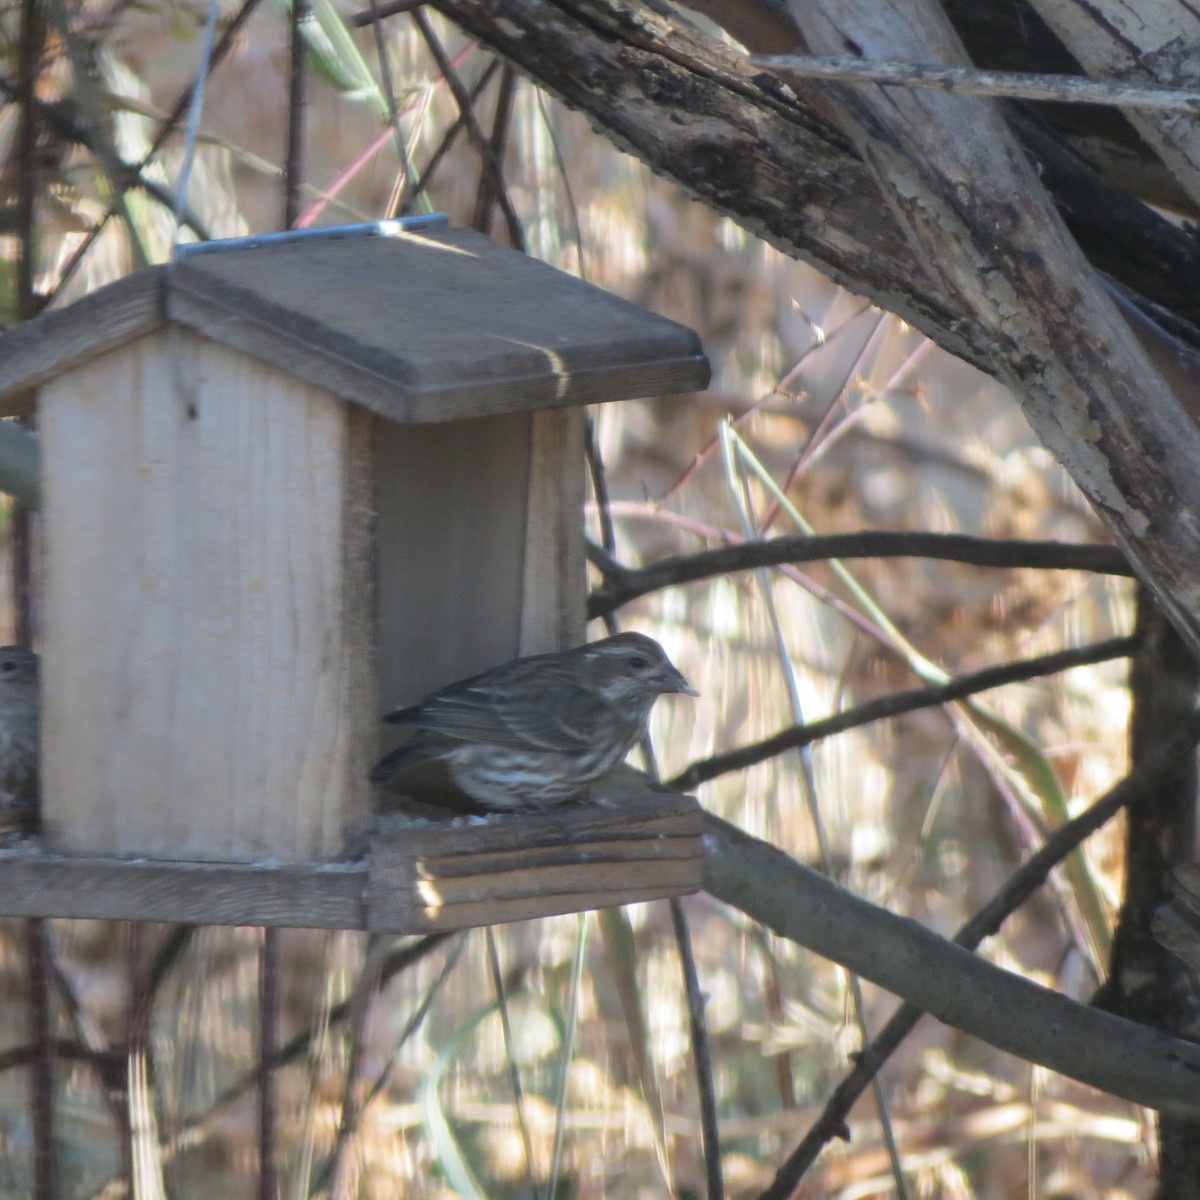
point(558, 716)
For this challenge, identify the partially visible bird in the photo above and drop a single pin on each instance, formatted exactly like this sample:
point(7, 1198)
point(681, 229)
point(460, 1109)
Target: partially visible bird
point(20, 726)
point(536, 731)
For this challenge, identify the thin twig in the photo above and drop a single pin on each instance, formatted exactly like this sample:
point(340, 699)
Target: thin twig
point(415, 1021)
point(425, 177)
point(376, 14)
point(90, 108)
point(352, 1114)
point(568, 1051)
point(389, 94)
point(623, 584)
point(516, 235)
point(710, 1135)
point(829, 430)
point(1016, 85)
point(61, 120)
point(560, 165)
point(1020, 886)
point(32, 40)
point(223, 46)
point(358, 1010)
point(191, 135)
point(485, 192)
point(105, 1063)
point(898, 703)
point(193, 1130)
point(603, 557)
point(510, 1052)
point(773, 999)
point(268, 1037)
point(293, 160)
point(69, 1049)
point(37, 957)
point(736, 459)
point(748, 408)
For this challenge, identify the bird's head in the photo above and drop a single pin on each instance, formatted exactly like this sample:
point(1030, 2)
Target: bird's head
point(631, 666)
point(18, 667)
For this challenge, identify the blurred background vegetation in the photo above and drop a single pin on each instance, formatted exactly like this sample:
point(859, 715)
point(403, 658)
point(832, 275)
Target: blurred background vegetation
point(824, 413)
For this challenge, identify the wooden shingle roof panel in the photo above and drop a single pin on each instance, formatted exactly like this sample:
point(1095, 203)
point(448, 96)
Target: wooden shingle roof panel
point(420, 326)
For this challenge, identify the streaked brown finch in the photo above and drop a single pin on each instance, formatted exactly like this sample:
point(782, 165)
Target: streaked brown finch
point(19, 734)
point(537, 731)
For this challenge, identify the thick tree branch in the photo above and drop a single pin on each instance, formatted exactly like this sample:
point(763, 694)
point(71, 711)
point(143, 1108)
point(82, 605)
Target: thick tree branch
point(960, 185)
point(948, 982)
point(743, 142)
point(1138, 787)
point(1152, 43)
point(983, 263)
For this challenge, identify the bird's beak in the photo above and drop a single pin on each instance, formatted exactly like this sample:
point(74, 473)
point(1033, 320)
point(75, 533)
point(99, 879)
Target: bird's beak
point(672, 680)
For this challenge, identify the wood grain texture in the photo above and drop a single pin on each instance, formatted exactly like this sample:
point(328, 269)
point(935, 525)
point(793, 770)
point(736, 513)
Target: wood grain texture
point(197, 692)
point(554, 582)
point(416, 878)
point(957, 181)
point(417, 328)
point(57, 341)
point(357, 597)
point(435, 326)
point(1152, 43)
point(51, 885)
point(512, 867)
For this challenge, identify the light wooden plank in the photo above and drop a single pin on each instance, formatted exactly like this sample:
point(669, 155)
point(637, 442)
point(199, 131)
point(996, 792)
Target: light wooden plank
point(502, 911)
point(420, 327)
point(513, 866)
point(614, 874)
point(417, 878)
point(554, 581)
point(49, 885)
point(642, 844)
point(197, 696)
point(450, 323)
point(357, 625)
point(36, 351)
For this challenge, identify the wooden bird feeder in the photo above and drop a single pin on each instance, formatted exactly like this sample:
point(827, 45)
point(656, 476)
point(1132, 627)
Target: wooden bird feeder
point(289, 483)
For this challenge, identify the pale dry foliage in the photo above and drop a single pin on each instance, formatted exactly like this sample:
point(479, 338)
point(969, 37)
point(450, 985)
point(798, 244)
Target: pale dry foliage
point(919, 814)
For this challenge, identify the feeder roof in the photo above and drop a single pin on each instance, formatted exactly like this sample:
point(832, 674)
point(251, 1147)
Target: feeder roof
point(417, 326)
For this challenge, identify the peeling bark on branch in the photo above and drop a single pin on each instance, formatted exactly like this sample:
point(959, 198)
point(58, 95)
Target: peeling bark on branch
point(983, 264)
point(750, 146)
point(956, 179)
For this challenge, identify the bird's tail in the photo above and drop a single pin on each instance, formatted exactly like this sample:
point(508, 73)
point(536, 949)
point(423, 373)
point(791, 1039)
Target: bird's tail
point(396, 763)
point(402, 716)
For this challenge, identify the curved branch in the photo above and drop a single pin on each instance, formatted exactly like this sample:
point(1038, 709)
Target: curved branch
point(956, 179)
point(1140, 783)
point(894, 705)
point(947, 981)
point(742, 142)
point(622, 584)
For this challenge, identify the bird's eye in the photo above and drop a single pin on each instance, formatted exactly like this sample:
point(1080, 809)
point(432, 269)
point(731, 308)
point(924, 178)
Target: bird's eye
point(8, 666)
point(638, 663)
